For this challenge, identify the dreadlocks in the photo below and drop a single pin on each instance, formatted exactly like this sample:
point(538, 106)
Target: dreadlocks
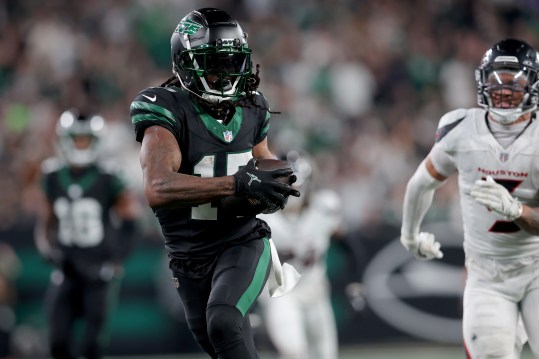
point(251, 86)
point(253, 81)
point(172, 81)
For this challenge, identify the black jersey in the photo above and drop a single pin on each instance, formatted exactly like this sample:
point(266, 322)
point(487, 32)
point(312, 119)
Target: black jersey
point(81, 203)
point(209, 149)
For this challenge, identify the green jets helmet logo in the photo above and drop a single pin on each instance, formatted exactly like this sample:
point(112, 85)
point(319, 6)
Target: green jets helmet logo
point(188, 27)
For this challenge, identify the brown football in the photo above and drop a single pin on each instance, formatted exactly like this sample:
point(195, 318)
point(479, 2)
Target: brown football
point(245, 206)
point(273, 164)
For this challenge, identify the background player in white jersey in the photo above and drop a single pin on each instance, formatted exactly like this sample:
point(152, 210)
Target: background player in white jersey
point(495, 150)
point(301, 324)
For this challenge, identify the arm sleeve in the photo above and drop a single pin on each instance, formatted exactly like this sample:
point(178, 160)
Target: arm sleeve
point(417, 200)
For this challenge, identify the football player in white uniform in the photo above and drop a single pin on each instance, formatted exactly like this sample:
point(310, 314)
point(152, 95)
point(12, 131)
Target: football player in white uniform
point(495, 151)
point(301, 324)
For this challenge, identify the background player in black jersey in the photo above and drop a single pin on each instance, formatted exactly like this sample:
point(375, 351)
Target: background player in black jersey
point(199, 132)
point(86, 227)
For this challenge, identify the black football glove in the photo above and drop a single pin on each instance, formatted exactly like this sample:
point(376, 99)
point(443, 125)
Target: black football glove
point(263, 185)
point(272, 207)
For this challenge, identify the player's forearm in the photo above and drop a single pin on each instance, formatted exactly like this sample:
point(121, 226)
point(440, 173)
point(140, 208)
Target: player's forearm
point(44, 232)
point(42, 242)
point(160, 158)
point(529, 220)
point(180, 190)
point(417, 200)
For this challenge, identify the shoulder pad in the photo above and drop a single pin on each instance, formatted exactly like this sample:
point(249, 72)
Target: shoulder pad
point(152, 95)
point(262, 99)
point(51, 164)
point(257, 100)
point(115, 169)
point(109, 166)
point(449, 121)
point(452, 116)
point(156, 104)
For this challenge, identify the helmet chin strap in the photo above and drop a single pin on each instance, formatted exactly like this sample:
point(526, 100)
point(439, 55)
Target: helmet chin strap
point(208, 97)
point(214, 99)
point(81, 157)
point(187, 88)
point(507, 116)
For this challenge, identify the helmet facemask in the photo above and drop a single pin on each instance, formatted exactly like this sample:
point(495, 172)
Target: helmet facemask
point(79, 138)
point(217, 74)
point(210, 56)
point(507, 80)
point(508, 93)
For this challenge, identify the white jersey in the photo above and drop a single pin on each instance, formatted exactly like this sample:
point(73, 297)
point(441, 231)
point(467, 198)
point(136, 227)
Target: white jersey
point(301, 323)
point(464, 136)
point(303, 238)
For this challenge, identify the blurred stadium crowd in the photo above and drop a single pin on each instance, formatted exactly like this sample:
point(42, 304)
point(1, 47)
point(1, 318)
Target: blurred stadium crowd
point(360, 84)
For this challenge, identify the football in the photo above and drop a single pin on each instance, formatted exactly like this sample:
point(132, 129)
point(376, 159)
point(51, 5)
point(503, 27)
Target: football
point(273, 164)
point(246, 206)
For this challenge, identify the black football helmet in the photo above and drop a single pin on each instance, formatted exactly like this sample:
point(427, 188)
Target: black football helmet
point(72, 125)
point(508, 70)
point(210, 55)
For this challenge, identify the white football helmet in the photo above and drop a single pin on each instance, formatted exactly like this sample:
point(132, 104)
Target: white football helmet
point(79, 137)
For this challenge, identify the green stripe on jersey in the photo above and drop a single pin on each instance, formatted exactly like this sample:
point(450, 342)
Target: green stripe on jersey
point(264, 130)
point(158, 113)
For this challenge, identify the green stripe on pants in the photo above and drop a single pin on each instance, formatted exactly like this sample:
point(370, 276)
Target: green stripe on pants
point(254, 289)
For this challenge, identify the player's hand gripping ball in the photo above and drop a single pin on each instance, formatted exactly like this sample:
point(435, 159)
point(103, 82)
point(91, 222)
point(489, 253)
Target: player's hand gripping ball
point(262, 186)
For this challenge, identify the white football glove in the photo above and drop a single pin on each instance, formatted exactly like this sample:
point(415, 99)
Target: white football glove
point(497, 198)
point(423, 246)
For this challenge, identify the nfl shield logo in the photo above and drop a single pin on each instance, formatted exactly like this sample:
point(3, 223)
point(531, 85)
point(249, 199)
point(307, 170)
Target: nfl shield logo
point(228, 136)
point(504, 156)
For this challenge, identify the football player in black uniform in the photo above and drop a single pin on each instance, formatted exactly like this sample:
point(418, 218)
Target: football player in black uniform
point(86, 227)
point(200, 131)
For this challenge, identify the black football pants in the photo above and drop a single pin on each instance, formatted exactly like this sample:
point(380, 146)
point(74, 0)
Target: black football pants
point(74, 298)
point(216, 306)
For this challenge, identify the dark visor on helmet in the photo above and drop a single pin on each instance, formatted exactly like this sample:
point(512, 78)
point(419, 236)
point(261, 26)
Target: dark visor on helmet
point(228, 63)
